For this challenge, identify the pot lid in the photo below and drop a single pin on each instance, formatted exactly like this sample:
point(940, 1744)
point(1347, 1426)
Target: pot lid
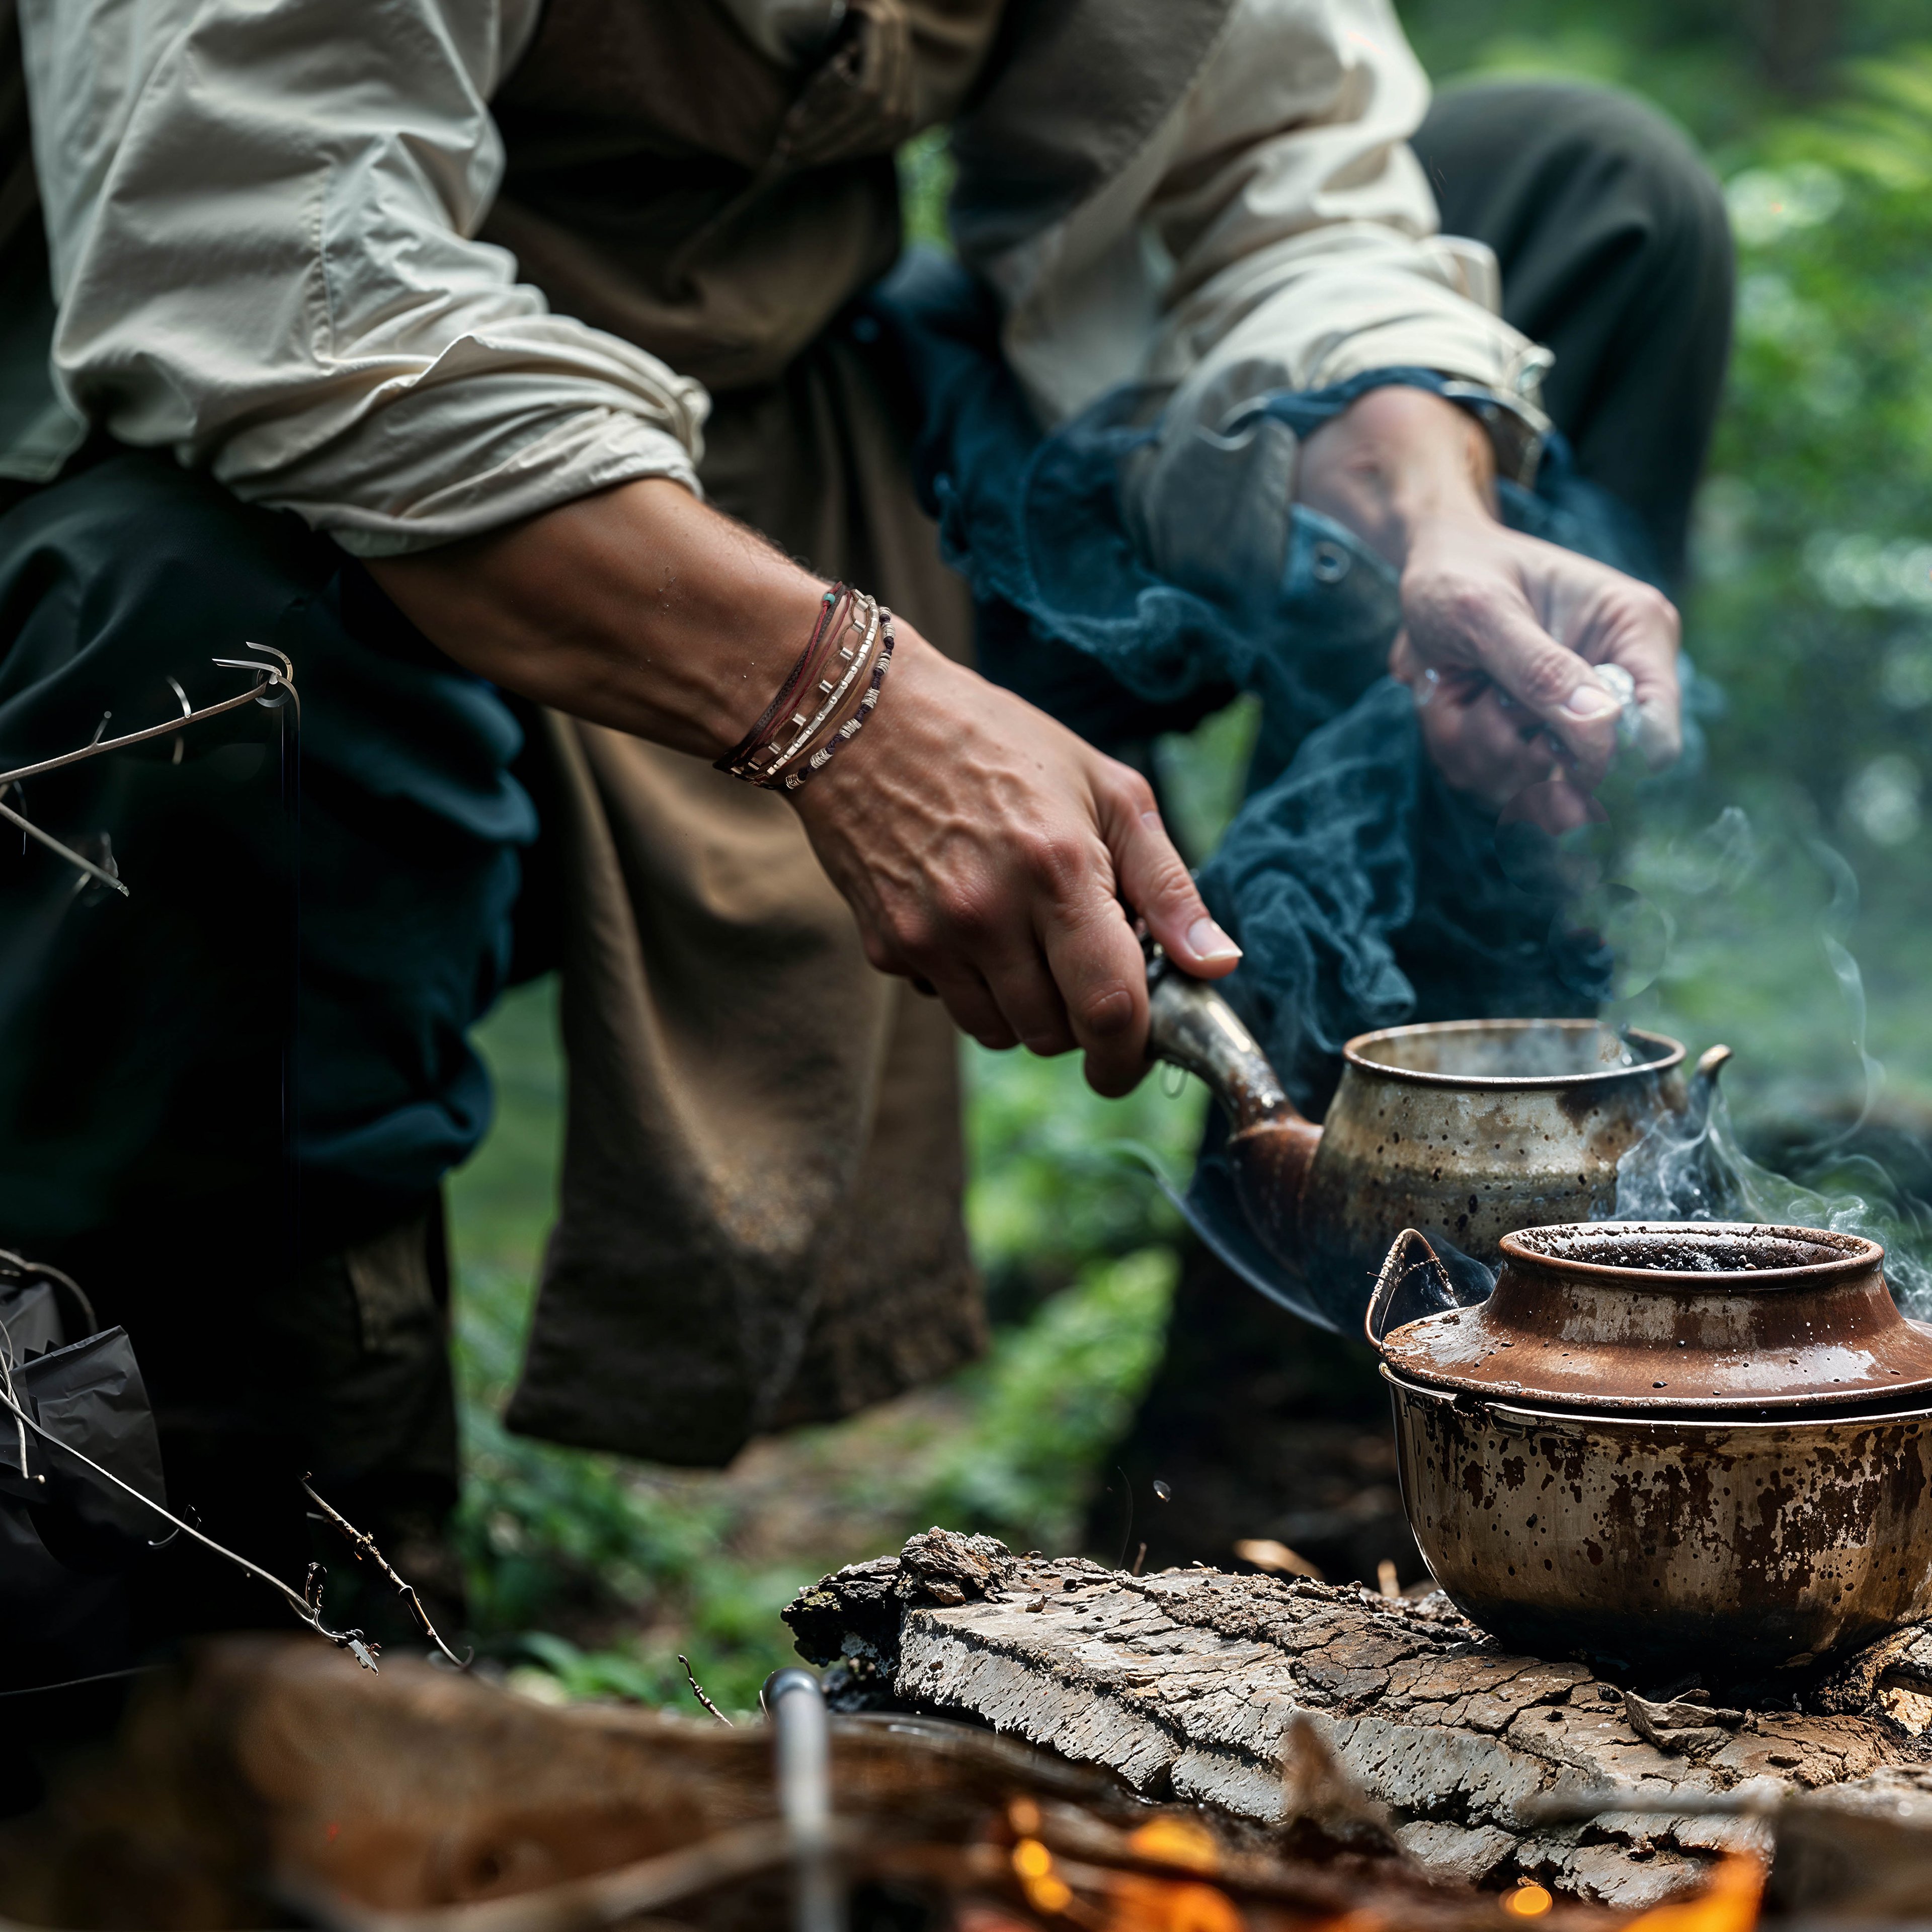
point(1695, 1317)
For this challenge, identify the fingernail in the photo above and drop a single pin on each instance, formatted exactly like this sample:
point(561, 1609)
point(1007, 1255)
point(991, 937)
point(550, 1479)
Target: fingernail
point(1589, 702)
point(1206, 941)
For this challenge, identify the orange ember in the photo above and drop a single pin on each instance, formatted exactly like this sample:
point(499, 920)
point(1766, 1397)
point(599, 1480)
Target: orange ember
point(1728, 1903)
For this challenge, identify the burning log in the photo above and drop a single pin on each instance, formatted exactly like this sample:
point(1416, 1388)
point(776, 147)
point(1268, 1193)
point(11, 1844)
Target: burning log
point(1187, 1685)
point(275, 1778)
point(274, 1782)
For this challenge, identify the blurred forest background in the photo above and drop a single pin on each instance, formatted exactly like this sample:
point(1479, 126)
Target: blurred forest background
point(1785, 904)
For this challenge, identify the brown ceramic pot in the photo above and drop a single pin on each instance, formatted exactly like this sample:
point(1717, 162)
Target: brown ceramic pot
point(1669, 1446)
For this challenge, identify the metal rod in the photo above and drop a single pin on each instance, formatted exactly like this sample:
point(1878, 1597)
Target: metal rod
point(796, 1705)
point(279, 677)
point(270, 677)
point(54, 845)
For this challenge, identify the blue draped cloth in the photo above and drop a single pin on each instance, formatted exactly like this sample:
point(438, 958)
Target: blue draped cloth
point(1363, 891)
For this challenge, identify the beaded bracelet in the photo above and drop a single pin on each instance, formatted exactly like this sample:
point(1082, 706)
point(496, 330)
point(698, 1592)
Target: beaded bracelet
point(737, 760)
point(854, 724)
point(856, 663)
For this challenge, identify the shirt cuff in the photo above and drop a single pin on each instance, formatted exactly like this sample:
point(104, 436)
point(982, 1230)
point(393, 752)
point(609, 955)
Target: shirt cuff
point(1517, 429)
point(594, 450)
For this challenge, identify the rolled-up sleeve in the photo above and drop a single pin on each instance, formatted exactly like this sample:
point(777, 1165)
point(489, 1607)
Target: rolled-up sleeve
point(1275, 232)
point(262, 223)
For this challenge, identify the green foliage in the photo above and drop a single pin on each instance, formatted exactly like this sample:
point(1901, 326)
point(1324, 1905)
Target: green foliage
point(925, 180)
point(1051, 1186)
point(1052, 1401)
point(637, 1567)
point(1814, 607)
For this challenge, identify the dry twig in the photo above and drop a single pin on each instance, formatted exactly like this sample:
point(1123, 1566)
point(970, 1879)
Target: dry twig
point(697, 1691)
point(364, 1545)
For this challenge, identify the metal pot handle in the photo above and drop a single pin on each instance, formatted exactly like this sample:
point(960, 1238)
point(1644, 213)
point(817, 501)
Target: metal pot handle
point(1403, 1260)
point(1191, 1026)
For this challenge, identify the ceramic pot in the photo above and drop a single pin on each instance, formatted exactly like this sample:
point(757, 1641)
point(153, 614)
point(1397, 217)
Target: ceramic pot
point(1668, 1446)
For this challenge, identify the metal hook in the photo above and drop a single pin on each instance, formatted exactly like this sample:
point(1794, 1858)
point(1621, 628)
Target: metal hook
point(187, 711)
point(279, 687)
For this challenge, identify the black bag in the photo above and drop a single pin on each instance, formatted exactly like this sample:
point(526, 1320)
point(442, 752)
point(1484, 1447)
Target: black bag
point(89, 1396)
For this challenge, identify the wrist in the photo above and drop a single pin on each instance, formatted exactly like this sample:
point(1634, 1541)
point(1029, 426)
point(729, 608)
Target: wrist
point(914, 691)
point(759, 620)
point(1395, 459)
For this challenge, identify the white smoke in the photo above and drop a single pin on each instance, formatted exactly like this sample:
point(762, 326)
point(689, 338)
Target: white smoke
point(1691, 1167)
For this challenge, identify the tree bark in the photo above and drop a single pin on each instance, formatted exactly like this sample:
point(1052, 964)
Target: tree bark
point(1187, 1684)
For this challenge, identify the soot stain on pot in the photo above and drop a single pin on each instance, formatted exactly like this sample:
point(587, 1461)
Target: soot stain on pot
point(1795, 1528)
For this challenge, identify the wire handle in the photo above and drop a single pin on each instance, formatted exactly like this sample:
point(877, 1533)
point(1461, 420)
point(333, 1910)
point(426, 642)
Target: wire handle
point(276, 688)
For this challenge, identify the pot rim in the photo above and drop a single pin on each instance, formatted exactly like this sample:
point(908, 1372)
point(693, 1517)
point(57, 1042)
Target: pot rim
point(1600, 1418)
point(1353, 1053)
point(1858, 1254)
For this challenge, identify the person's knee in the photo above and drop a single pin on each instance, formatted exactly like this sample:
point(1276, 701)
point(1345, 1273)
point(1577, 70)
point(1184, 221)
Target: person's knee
point(1657, 163)
point(1583, 140)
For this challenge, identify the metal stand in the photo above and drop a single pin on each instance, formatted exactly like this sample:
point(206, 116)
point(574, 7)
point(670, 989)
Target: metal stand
point(796, 1705)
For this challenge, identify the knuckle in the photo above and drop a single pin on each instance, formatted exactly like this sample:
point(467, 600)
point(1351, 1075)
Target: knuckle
point(1548, 679)
point(968, 918)
point(1463, 603)
point(1107, 1011)
point(1055, 860)
point(916, 939)
point(1135, 794)
point(1648, 609)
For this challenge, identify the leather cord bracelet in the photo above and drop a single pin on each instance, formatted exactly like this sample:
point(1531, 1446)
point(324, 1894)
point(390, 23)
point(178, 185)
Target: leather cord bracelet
point(854, 725)
point(823, 633)
point(853, 631)
point(856, 662)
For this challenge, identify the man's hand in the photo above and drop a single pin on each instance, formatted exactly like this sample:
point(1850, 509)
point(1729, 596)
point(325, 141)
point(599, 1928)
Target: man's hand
point(985, 850)
point(1501, 632)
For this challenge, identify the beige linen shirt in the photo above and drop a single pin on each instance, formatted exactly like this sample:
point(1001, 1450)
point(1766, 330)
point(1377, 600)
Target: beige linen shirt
point(263, 223)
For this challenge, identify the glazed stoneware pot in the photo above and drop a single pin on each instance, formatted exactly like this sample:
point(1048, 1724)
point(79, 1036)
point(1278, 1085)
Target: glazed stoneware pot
point(1465, 1129)
point(1668, 1446)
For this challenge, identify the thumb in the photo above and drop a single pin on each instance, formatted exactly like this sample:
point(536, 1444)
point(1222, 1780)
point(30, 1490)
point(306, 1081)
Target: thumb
point(1156, 883)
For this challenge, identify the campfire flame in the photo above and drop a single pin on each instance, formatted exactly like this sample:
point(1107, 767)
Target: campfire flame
point(1133, 1901)
point(1143, 1902)
point(1728, 1903)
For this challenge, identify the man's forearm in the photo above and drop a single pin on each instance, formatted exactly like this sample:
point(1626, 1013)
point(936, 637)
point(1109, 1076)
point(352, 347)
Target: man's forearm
point(638, 608)
point(984, 850)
